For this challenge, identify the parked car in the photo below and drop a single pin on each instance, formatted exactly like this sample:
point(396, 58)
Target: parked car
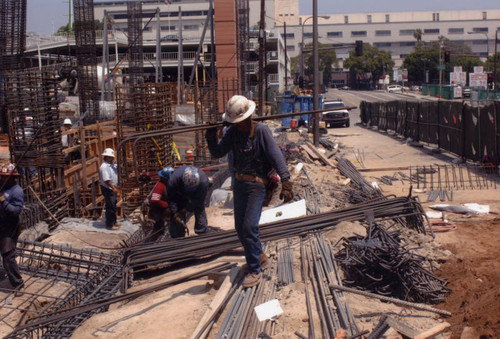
point(345, 88)
point(394, 88)
point(339, 117)
point(466, 92)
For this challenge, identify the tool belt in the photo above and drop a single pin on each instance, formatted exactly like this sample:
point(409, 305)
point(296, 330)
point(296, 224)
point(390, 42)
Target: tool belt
point(251, 178)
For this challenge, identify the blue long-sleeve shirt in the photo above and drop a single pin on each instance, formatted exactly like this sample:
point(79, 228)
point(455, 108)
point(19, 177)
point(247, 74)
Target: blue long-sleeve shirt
point(11, 207)
point(266, 153)
point(177, 195)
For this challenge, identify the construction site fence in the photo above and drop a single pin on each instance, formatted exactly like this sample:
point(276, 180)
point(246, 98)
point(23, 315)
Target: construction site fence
point(469, 132)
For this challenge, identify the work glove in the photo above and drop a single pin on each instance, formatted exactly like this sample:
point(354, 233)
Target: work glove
point(211, 134)
point(178, 218)
point(286, 191)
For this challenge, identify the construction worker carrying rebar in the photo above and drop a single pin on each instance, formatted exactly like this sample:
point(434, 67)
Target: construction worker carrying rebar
point(158, 205)
point(109, 187)
point(11, 205)
point(255, 154)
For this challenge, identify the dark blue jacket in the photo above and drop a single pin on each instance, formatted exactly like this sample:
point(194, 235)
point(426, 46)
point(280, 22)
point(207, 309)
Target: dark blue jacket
point(177, 195)
point(10, 209)
point(266, 153)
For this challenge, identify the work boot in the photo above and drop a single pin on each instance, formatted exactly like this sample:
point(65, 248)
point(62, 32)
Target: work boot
point(264, 263)
point(252, 279)
point(18, 292)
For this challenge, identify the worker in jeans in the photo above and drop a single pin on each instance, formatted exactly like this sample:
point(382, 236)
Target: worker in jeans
point(255, 154)
point(187, 189)
point(109, 187)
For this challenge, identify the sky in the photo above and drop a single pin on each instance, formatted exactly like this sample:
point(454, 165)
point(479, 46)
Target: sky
point(46, 16)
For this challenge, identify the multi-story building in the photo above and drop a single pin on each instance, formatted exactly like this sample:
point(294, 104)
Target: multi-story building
point(390, 31)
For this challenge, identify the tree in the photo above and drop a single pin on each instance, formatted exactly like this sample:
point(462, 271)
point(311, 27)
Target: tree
point(326, 56)
point(371, 65)
point(417, 34)
point(426, 58)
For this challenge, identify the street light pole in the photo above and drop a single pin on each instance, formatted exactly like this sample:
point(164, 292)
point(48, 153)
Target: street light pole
point(302, 45)
point(495, 62)
point(316, 74)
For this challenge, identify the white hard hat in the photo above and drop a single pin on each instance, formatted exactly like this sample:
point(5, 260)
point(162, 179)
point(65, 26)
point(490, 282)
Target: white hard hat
point(108, 152)
point(239, 108)
point(67, 121)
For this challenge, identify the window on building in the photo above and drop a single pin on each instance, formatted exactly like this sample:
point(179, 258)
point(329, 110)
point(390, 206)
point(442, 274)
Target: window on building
point(358, 33)
point(407, 43)
point(308, 34)
point(346, 19)
point(337, 45)
point(480, 29)
point(290, 48)
point(191, 27)
point(402, 56)
point(406, 31)
point(431, 31)
point(459, 42)
point(382, 44)
point(334, 34)
point(480, 42)
point(369, 18)
point(455, 31)
point(485, 17)
point(435, 16)
point(291, 35)
point(167, 28)
point(383, 33)
point(387, 18)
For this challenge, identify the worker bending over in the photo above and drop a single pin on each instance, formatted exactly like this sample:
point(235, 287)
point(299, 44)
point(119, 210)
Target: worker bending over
point(186, 192)
point(158, 205)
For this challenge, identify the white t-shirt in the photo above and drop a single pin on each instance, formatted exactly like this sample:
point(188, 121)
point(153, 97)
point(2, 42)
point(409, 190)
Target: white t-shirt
point(107, 172)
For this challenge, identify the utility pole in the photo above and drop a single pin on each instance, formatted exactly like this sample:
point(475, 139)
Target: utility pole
point(286, 61)
point(316, 74)
point(495, 62)
point(261, 56)
point(158, 73)
point(180, 65)
point(105, 57)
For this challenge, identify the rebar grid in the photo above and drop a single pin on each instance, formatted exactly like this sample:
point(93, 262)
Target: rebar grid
point(143, 108)
point(32, 107)
point(134, 25)
point(12, 27)
point(91, 275)
point(243, 40)
point(85, 39)
point(205, 105)
point(453, 177)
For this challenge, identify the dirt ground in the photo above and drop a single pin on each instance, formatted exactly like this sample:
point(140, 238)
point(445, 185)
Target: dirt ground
point(467, 258)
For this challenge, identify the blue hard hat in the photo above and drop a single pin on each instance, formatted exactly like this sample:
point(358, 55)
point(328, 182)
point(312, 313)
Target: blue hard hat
point(165, 172)
point(191, 178)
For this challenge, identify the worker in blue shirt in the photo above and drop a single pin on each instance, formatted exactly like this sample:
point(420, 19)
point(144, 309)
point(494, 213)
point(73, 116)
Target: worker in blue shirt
point(11, 205)
point(187, 189)
point(255, 154)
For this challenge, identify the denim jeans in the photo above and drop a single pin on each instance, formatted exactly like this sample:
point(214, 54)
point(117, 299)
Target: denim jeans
point(248, 199)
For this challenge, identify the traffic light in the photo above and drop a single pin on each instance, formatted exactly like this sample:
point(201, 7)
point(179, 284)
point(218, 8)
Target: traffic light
point(447, 56)
point(359, 48)
point(490, 78)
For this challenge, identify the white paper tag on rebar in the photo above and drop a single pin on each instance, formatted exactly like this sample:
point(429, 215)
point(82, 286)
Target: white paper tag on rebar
point(268, 310)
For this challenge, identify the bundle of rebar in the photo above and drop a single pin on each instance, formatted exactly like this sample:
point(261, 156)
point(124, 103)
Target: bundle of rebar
point(147, 256)
point(285, 263)
point(365, 190)
point(378, 262)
